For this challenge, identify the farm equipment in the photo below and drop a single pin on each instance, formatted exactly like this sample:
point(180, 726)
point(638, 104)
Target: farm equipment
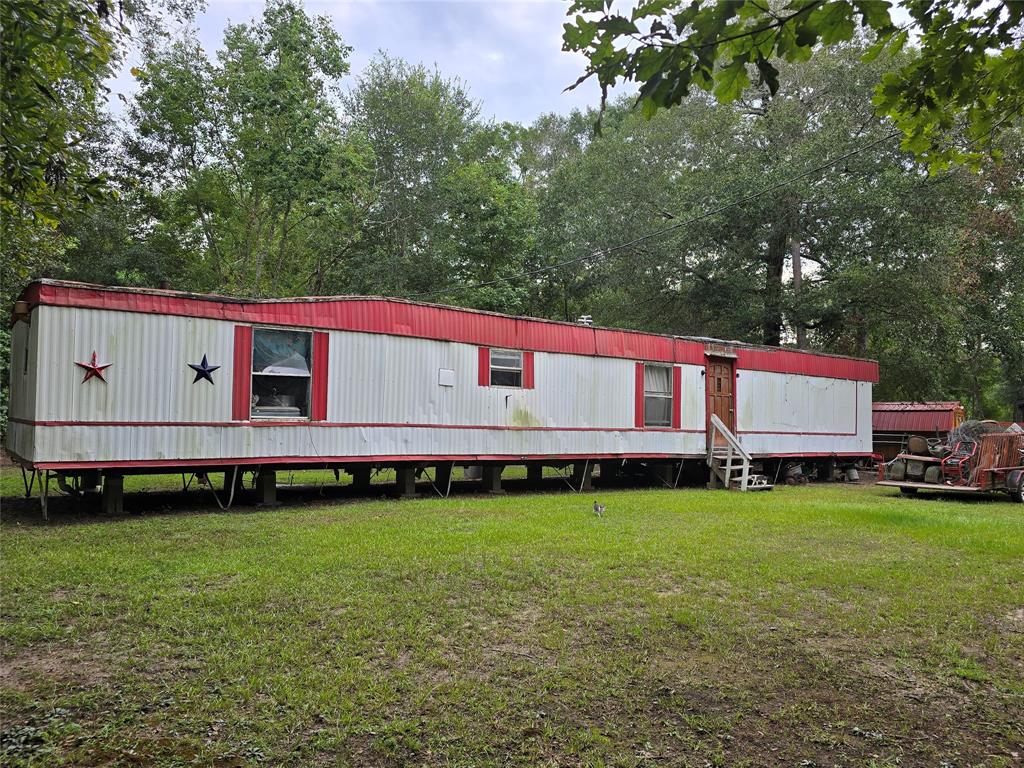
point(973, 461)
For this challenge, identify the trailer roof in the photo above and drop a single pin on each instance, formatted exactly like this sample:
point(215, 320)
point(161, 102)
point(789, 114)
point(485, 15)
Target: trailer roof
point(402, 317)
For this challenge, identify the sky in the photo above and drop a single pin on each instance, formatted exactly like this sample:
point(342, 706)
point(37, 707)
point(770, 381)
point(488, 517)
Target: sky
point(508, 52)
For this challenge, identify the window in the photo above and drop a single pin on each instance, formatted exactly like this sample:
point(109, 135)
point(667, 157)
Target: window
point(281, 365)
point(657, 396)
point(506, 368)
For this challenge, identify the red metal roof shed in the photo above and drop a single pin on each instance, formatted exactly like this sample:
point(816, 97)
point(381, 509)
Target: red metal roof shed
point(920, 418)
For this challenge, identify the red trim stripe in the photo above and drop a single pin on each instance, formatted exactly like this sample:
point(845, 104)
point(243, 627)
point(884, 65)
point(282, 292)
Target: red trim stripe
point(638, 397)
point(677, 397)
point(321, 344)
point(528, 370)
point(401, 318)
point(483, 373)
point(242, 372)
point(303, 423)
point(402, 425)
point(322, 461)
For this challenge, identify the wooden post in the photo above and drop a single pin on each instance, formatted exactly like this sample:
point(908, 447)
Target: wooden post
point(266, 485)
point(405, 481)
point(492, 478)
point(535, 474)
point(581, 475)
point(610, 471)
point(113, 494)
point(360, 478)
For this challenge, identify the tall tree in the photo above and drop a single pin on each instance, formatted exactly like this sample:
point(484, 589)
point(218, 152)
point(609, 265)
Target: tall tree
point(246, 155)
point(452, 211)
point(876, 235)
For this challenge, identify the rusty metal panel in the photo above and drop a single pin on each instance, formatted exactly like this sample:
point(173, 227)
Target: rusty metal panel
point(999, 450)
point(929, 418)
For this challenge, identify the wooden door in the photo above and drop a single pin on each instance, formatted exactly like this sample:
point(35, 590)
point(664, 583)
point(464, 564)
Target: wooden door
point(719, 376)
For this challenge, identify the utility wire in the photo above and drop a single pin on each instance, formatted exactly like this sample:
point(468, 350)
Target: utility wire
point(602, 253)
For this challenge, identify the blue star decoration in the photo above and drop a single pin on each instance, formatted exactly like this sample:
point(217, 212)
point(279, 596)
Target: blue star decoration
point(203, 370)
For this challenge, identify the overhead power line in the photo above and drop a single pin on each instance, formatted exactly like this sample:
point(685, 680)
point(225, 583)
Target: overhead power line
point(602, 253)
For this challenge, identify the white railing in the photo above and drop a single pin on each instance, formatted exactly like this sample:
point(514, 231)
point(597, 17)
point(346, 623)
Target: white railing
point(732, 449)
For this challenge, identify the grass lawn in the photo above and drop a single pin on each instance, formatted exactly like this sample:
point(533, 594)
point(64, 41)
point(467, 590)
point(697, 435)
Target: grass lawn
point(828, 625)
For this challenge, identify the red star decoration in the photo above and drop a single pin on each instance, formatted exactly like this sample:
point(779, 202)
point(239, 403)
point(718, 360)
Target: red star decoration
point(93, 369)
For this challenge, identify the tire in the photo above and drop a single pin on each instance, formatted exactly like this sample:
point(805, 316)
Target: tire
point(908, 491)
point(1017, 495)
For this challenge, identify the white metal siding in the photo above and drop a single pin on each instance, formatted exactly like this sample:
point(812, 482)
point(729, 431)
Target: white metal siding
point(148, 378)
point(580, 405)
point(394, 380)
point(791, 413)
point(24, 344)
point(97, 444)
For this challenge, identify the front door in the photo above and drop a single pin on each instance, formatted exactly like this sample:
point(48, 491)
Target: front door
point(720, 375)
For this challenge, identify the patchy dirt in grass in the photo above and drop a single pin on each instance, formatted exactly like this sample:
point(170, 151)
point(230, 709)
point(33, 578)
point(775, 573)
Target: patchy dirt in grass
point(61, 664)
point(1014, 621)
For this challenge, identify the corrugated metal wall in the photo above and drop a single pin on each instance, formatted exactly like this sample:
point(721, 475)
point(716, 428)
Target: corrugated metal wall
point(377, 384)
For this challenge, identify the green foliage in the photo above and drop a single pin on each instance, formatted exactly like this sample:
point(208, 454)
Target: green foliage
point(56, 56)
point(451, 211)
point(243, 163)
point(917, 271)
point(965, 82)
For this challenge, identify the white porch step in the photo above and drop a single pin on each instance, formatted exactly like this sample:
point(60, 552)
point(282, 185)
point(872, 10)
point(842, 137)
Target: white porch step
point(730, 463)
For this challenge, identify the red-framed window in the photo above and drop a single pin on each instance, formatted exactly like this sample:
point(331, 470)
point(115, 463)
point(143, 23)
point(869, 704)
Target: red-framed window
point(505, 368)
point(658, 396)
point(285, 376)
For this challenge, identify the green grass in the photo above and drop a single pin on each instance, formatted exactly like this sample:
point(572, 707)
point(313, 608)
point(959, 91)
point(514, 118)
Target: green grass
point(836, 625)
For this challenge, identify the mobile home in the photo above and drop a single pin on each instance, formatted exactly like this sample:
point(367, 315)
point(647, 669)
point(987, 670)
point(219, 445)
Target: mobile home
point(109, 381)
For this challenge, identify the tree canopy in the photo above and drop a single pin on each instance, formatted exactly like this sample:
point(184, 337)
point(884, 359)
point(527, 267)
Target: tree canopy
point(962, 88)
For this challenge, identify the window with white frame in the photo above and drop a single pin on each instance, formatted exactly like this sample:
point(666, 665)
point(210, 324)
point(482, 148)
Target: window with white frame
point(657, 396)
point(506, 368)
point(281, 368)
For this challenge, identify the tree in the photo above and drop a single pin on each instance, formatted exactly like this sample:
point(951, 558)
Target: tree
point(56, 56)
point(887, 272)
point(244, 161)
point(451, 211)
point(967, 77)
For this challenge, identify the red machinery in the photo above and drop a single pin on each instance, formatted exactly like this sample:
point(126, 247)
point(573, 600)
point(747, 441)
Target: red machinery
point(992, 463)
point(956, 468)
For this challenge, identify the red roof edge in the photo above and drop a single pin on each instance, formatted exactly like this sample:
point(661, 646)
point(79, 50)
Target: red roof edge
point(401, 317)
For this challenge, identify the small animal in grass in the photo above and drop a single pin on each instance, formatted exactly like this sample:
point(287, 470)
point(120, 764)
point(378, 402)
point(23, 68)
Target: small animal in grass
point(598, 509)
